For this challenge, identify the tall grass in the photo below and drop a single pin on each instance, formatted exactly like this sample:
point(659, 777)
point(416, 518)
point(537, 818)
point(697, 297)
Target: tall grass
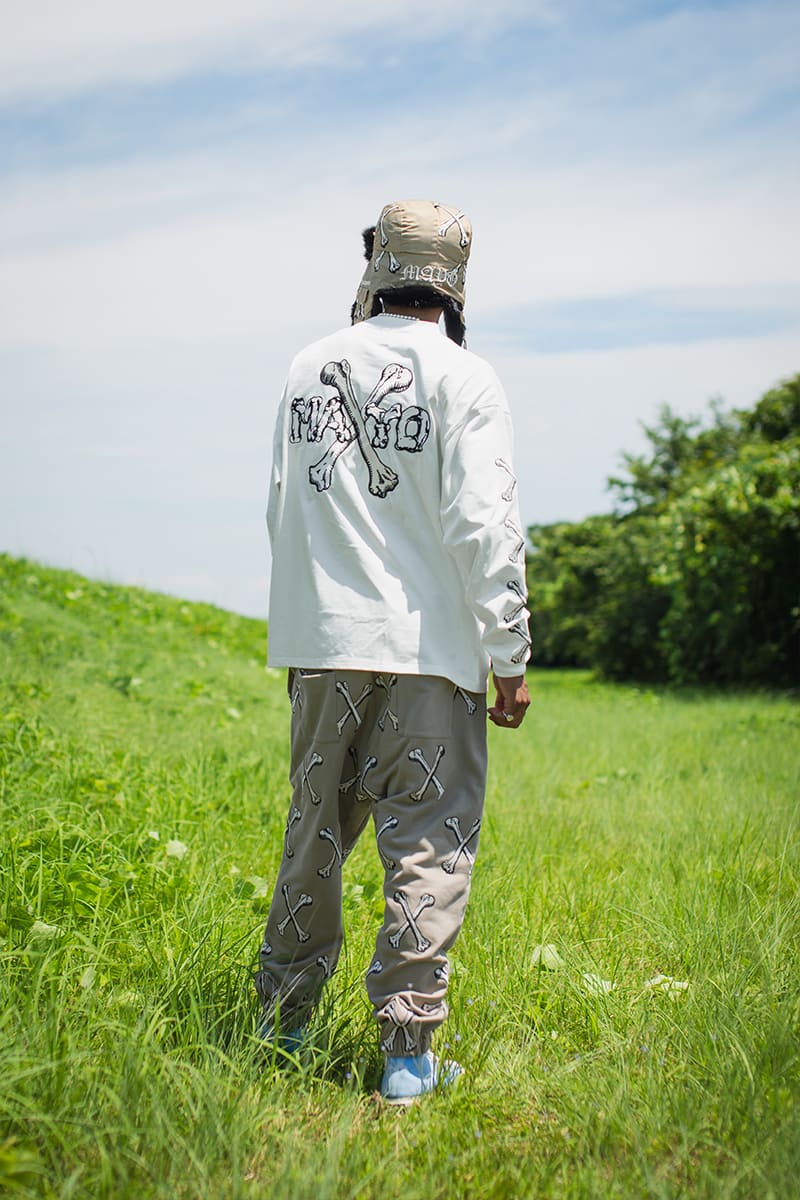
point(637, 832)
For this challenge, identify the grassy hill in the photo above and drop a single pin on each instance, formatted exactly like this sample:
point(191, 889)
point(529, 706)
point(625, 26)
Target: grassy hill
point(640, 833)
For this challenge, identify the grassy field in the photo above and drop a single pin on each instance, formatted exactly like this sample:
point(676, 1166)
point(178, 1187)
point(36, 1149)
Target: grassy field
point(639, 833)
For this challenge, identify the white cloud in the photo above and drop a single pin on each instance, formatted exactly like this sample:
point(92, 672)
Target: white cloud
point(191, 271)
point(50, 47)
point(151, 299)
point(574, 414)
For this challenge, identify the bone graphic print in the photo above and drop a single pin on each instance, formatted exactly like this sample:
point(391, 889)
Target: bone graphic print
point(387, 684)
point(394, 265)
point(318, 415)
point(352, 705)
point(470, 703)
point(507, 495)
point(363, 793)
point(383, 237)
point(394, 378)
point(328, 835)
point(314, 760)
point(521, 630)
point(382, 479)
point(463, 840)
point(398, 1018)
point(512, 528)
point(391, 822)
point(294, 817)
point(389, 1043)
point(291, 918)
point(509, 492)
point(455, 218)
point(380, 421)
point(416, 755)
point(348, 783)
point(382, 234)
point(411, 919)
point(513, 613)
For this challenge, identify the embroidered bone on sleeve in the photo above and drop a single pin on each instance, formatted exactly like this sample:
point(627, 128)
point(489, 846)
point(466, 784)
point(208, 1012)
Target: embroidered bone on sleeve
point(482, 527)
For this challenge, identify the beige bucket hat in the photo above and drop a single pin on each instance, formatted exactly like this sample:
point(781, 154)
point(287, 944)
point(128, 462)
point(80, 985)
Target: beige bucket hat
point(418, 243)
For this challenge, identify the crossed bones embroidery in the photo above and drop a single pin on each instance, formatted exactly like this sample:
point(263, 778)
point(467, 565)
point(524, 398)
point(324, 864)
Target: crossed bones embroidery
point(463, 839)
point(416, 755)
point(397, 1020)
point(410, 924)
point(368, 427)
point(302, 901)
point(363, 794)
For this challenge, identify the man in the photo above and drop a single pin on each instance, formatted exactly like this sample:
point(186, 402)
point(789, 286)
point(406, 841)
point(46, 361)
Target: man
point(398, 581)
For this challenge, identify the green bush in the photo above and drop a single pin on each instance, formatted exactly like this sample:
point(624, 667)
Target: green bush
point(731, 570)
point(696, 576)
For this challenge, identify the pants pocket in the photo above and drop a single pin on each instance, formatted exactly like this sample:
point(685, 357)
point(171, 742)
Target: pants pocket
point(314, 708)
point(424, 706)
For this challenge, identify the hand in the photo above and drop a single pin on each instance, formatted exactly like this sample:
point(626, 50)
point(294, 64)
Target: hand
point(511, 703)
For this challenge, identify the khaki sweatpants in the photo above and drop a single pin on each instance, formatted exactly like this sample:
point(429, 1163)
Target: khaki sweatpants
point(409, 751)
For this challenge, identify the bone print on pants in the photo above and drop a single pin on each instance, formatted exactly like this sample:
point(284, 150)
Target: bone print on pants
point(409, 751)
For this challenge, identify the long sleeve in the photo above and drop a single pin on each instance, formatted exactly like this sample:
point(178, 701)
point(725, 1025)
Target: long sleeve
point(276, 471)
point(429, 577)
point(482, 530)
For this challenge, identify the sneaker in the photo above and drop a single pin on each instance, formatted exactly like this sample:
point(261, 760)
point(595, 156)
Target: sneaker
point(289, 1043)
point(406, 1079)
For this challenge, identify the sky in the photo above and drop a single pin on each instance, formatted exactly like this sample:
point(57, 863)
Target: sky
point(182, 191)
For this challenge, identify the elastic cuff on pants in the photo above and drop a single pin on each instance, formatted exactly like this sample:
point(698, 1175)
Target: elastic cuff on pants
point(407, 1029)
point(294, 1004)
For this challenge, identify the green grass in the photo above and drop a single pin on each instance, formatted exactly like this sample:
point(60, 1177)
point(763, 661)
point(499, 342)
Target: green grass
point(641, 832)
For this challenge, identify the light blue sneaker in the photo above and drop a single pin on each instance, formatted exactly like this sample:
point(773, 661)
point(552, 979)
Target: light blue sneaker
point(406, 1079)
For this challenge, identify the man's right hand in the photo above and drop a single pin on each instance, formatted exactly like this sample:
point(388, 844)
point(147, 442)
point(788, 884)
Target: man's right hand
point(511, 702)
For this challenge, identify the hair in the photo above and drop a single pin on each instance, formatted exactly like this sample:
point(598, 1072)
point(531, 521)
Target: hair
point(415, 297)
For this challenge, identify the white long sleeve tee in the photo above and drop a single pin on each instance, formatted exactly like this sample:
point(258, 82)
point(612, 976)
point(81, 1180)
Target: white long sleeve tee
point(393, 513)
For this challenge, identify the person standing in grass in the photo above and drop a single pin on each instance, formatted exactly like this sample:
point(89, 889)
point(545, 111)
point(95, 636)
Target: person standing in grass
point(398, 584)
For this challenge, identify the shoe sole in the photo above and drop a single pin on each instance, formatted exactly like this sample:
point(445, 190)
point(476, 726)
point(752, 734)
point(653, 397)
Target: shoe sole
point(401, 1101)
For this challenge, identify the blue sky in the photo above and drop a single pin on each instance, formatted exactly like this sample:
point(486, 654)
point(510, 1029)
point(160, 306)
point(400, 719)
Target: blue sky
point(182, 189)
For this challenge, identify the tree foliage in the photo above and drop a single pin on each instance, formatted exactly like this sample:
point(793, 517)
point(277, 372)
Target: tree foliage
point(695, 577)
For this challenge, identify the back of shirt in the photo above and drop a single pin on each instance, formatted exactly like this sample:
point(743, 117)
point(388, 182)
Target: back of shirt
point(393, 513)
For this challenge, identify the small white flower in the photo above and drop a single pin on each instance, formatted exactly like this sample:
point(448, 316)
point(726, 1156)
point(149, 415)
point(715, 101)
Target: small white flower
point(665, 983)
point(234, 713)
point(547, 956)
point(260, 887)
point(176, 849)
point(40, 929)
point(597, 986)
point(125, 999)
